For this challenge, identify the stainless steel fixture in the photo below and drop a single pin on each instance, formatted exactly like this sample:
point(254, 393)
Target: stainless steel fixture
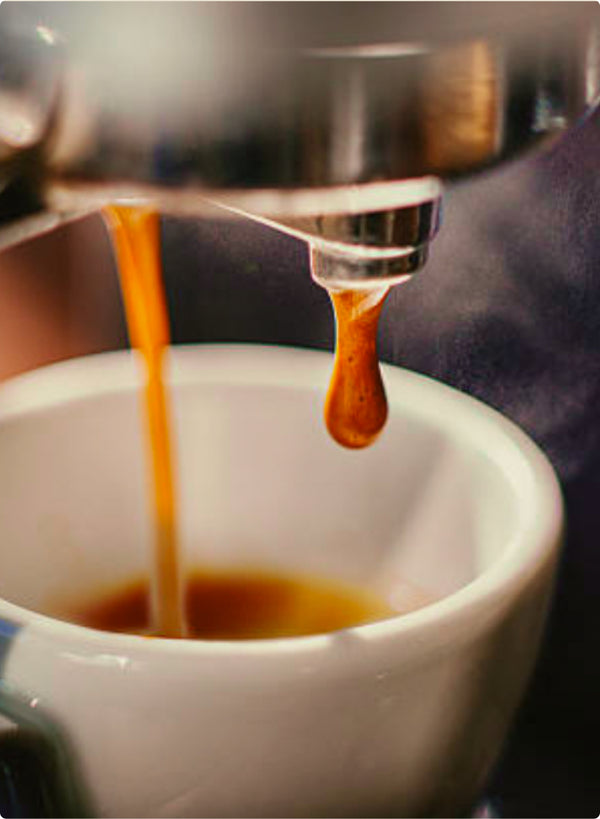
point(337, 122)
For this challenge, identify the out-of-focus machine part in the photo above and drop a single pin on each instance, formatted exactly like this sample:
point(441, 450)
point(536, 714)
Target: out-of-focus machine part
point(336, 122)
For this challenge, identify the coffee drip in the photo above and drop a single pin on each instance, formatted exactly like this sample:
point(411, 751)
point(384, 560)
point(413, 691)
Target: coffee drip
point(355, 408)
point(356, 405)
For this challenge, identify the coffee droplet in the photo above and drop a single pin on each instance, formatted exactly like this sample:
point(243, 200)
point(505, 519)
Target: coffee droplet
point(356, 405)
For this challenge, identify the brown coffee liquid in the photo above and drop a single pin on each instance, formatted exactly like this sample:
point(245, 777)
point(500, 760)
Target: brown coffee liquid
point(232, 605)
point(136, 240)
point(242, 605)
point(356, 405)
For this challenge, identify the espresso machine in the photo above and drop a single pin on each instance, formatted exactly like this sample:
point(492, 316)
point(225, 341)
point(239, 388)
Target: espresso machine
point(341, 124)
point(336, 123)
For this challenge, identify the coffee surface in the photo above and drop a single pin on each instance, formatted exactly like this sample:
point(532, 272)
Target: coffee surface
point(239, 605)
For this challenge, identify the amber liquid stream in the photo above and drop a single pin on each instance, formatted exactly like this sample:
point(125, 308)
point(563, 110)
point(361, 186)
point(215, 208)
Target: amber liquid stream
point(136, 240)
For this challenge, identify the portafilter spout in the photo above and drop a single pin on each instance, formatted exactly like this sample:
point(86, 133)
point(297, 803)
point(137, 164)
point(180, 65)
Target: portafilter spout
point(336, 122)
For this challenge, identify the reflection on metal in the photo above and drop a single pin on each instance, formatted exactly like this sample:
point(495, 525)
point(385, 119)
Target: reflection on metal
point(462, 119)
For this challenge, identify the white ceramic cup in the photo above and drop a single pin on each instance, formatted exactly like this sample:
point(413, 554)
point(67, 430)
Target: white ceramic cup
point(399, 718)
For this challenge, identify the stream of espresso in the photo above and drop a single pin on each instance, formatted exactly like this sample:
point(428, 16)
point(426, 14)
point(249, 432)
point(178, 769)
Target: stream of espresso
point(136, 240)
point(355, 412)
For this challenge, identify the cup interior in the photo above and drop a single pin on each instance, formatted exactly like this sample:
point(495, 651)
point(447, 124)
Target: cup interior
point(436, 502)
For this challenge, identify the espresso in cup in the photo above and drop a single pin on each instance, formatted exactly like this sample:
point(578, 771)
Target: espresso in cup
point(245, 605)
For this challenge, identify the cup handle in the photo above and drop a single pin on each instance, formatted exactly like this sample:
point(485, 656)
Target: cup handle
point(37, 773)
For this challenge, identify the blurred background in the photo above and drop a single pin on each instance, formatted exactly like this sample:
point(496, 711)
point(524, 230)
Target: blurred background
point(507, 309)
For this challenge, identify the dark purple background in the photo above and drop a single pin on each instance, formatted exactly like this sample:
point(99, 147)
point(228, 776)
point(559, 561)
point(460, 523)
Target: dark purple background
point(507, 309)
